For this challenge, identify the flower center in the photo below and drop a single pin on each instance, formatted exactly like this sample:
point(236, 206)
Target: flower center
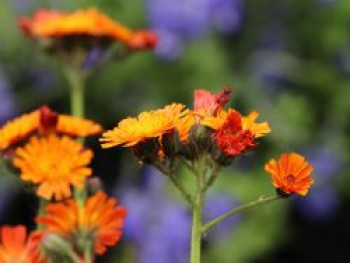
point(290, 178)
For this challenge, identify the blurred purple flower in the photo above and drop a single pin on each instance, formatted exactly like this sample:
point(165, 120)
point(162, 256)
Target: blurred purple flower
point(271, 68)
point(7, 100)
point(270, 64)
point(160, 228)
point(322, 202)
point(38, 78)
point(93, 58)
point(177, 22)
point(226, 15)
point(217, 205)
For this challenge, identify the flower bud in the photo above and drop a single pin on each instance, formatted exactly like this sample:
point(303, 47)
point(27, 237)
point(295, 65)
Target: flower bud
point(147, 151)
point(171, 143)
point(219, 156)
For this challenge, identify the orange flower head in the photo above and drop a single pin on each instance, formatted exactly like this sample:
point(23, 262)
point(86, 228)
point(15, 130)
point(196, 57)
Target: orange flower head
point(46, 121)
point(84, 23)
point(215, 122)
point(257, 129)
point(231, 138)
point(147, 125)
point(290, 174)
point(15, 248)
point(100, 219)
point(54, 164)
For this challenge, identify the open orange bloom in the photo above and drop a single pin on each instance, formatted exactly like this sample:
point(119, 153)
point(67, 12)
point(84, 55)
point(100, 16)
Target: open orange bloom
point(90, 22)
point(215, 122)
point(257, 129)
point(15, 248)
point(248, 122)
point(231, 138)
point(54, 163)
point(100, 219)
point(18, 129)
point(45, 120)
point(146, 125)
point(290, 174)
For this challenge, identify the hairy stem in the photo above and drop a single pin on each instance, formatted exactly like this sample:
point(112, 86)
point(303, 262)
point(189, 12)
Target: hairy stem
point(196, 236)
point(260, 201)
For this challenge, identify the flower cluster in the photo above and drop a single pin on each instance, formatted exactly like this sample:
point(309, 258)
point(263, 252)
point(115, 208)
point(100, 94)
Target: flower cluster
point(175, 130)
point(160, 137)
point(41, 146)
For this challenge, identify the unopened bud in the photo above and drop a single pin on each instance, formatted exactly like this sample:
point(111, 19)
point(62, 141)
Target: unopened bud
point(219, 156)
point(94, 185)
point(48, 120)
point(147, 151)
point(171, 143)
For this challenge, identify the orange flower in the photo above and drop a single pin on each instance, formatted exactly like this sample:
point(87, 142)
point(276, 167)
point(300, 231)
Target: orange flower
point(100, 219)
point(45, 120)
point(54, 163)
point(76, 126)
point(90, 22)
point(184, 125)
point(231, 138)
point(215, 122)
point(257, 129)
point(290, 174)
point(15, 248)
point(146, 125)
point(18, 129)
point(248, 122)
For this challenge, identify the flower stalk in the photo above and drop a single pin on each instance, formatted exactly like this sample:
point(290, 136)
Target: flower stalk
point(260, 201)
point(196, 235)
point(88, 253)
point(76, 79)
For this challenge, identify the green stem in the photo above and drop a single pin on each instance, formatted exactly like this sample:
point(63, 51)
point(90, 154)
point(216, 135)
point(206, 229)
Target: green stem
point(260, 201)
point(186, 195)
point(188, 165)
point(74, 257)
point(214, 175)
point(41, 211)
point(88, 253)
point(181, 189)
point(196, 236)
point(76, 79)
